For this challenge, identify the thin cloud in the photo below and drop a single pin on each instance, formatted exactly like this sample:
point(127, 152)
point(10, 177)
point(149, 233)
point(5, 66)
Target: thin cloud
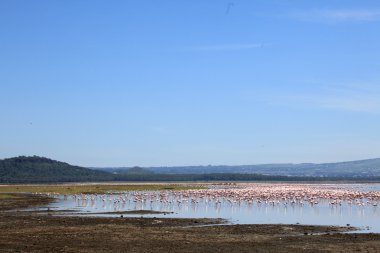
point(368, 104)
point(336, 16)
point(353, 97)
point(227, 47)
point(334, 98)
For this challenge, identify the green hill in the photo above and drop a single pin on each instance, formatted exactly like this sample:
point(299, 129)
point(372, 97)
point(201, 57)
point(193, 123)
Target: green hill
point(36, 169)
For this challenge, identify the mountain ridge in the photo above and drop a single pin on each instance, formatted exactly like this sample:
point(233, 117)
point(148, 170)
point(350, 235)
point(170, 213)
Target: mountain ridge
point(356, 168)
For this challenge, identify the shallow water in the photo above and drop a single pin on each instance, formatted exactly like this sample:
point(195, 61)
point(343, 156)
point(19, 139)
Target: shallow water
point(360, 212)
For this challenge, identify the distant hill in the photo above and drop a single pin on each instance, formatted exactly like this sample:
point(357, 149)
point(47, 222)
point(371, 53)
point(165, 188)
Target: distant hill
point(137, 171)
point(356, 169)
point(43, 170)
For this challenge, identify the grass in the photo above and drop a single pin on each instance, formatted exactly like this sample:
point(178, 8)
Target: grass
point(96, 188)
point(8, 196)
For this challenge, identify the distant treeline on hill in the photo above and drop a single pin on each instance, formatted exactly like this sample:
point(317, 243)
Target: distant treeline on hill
point(230, 177)
point(358, 169)
point(43, 170)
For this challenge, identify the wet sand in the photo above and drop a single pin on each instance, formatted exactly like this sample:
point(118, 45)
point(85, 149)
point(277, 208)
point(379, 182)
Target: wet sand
point(44, 232)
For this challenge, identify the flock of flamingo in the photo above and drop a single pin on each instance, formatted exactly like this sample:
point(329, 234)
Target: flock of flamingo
point(241, 194)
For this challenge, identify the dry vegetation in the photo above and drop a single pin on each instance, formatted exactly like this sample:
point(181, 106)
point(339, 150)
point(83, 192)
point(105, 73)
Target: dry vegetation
point(94, 188)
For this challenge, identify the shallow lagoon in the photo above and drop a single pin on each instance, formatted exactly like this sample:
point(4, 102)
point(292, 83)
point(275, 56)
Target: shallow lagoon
point(313, 204)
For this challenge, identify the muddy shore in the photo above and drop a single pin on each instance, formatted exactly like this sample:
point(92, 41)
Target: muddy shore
point(44, 232)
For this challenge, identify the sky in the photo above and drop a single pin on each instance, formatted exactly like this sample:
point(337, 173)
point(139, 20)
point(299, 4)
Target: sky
point(170, 83)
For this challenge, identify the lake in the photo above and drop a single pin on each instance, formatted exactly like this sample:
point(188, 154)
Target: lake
point(244, 203)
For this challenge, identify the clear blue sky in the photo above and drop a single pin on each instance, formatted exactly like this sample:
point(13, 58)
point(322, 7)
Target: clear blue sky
point(123, 83)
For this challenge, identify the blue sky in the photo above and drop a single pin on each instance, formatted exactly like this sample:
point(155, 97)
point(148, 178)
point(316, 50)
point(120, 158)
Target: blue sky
point(123, 83)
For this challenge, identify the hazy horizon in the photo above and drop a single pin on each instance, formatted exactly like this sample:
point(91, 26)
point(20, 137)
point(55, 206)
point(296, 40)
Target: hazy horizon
point(169, 83)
